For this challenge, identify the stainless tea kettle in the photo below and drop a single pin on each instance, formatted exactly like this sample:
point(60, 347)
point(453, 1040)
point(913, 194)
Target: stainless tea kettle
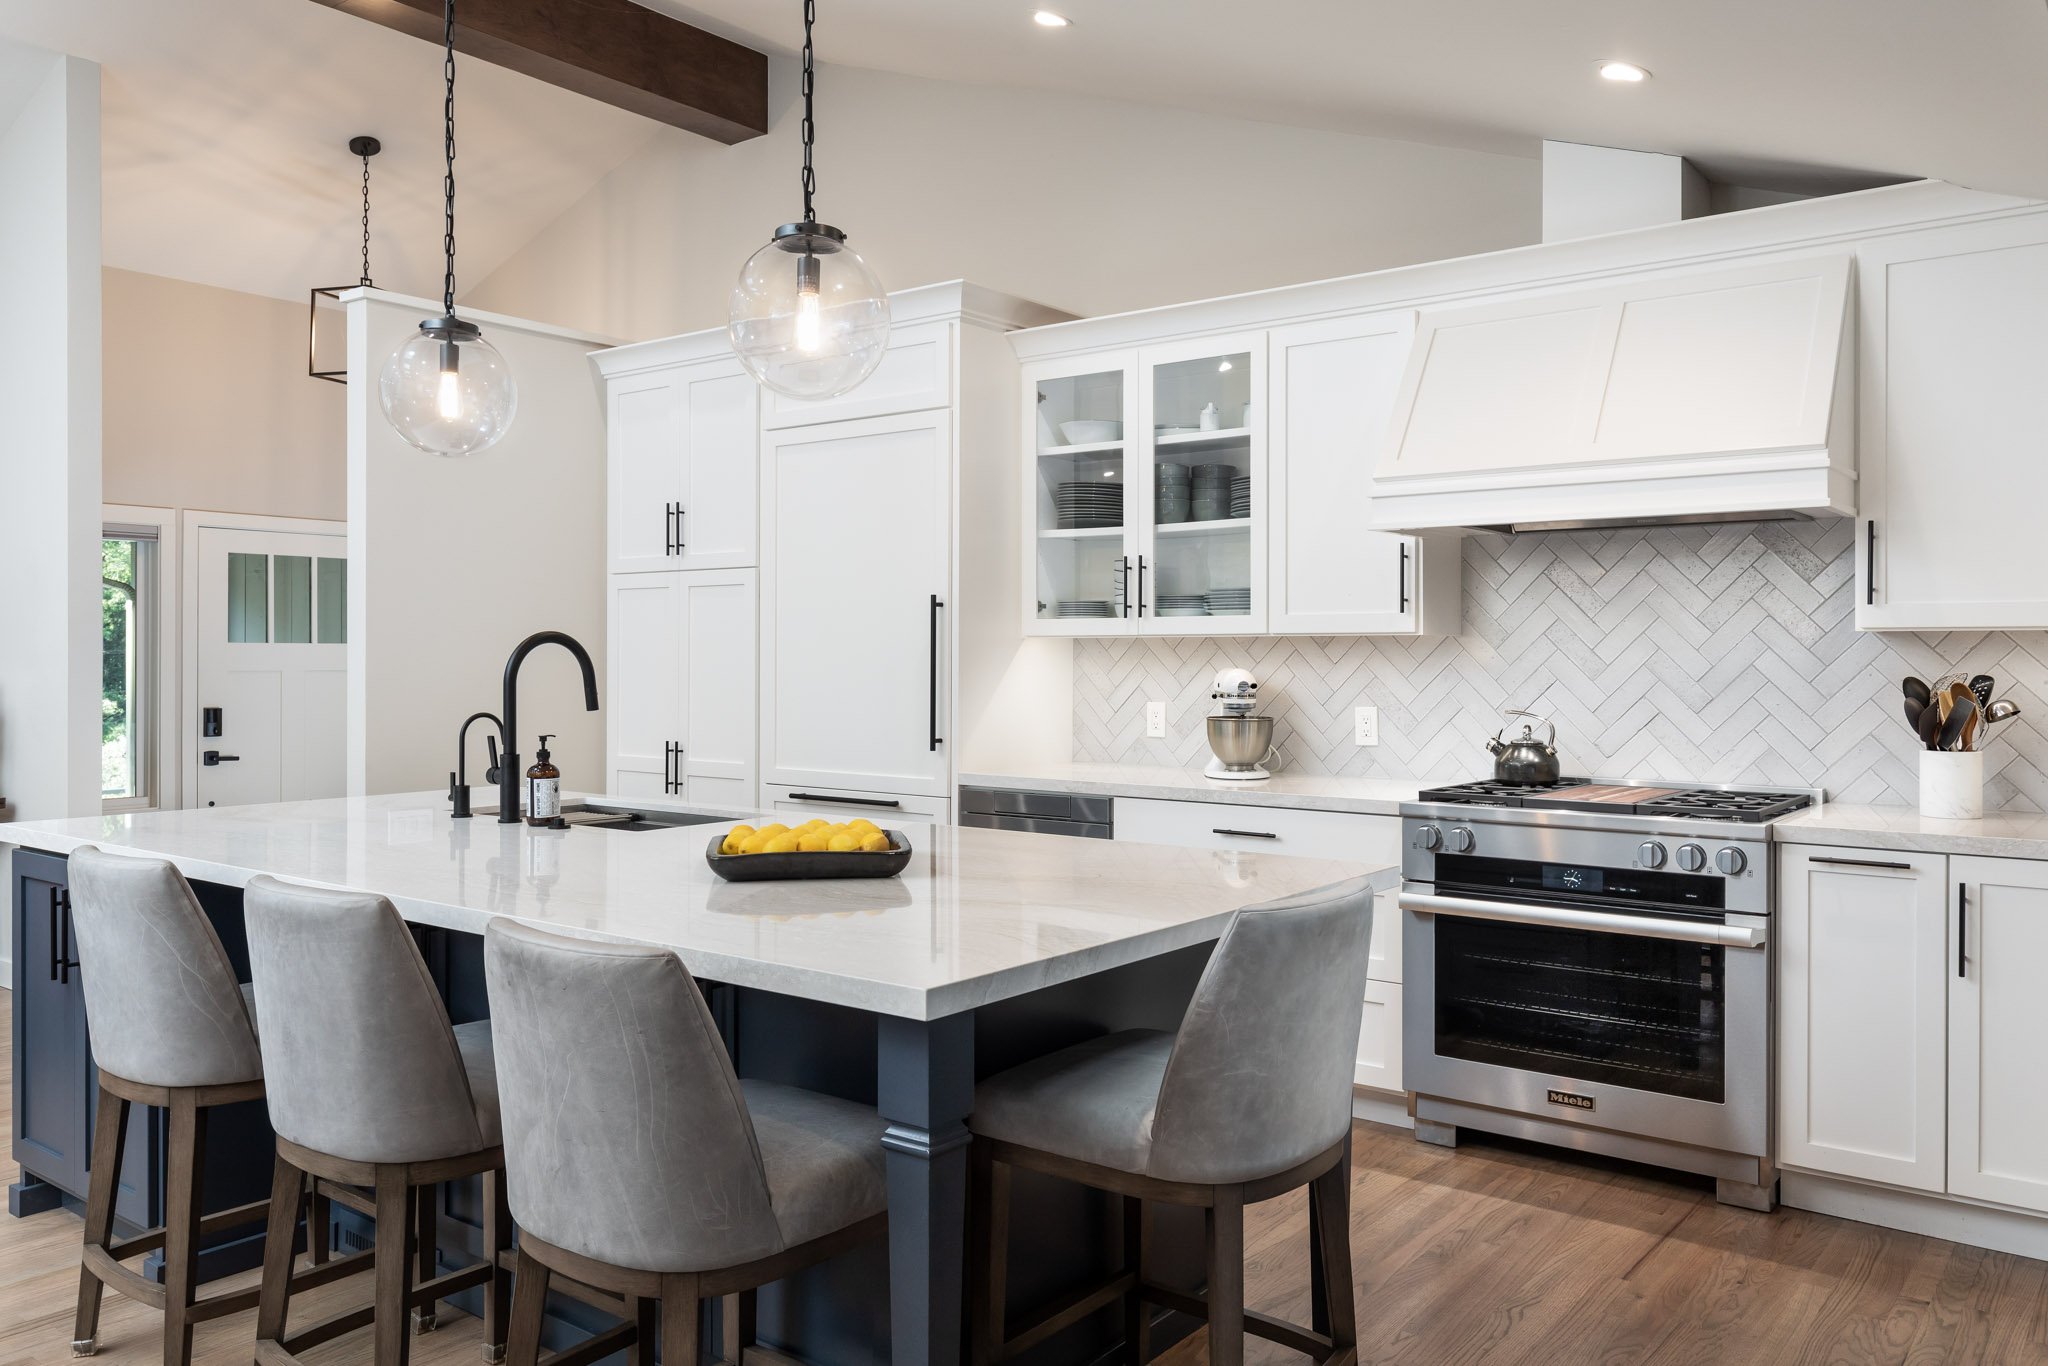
point(1525, 761)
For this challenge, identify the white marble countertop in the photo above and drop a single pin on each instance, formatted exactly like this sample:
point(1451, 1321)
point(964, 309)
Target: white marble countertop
point(979, 915)
point(1304, 791)
point(1999, 834)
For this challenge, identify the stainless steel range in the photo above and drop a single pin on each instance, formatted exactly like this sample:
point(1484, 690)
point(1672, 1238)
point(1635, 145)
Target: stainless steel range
point(1589, 964)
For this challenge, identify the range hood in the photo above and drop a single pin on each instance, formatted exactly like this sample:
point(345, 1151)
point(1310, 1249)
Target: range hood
point(1708, 395)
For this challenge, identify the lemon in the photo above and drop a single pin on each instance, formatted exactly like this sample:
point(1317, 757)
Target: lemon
point(874, 842)
point(844, 843)
point(778, 828)
point(737, 840)
point(785, 843)
point(814, 842)
point(814, 823)
point(756, 843)
point(861, 823)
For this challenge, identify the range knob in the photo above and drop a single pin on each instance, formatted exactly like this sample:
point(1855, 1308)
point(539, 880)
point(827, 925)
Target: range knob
point(1650, 854)
point(1691, 857)
point(1460, 840)
point(1429, 837)
point(1731, 861)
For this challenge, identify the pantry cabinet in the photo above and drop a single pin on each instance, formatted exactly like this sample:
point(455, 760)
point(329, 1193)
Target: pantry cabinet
point(1997, 1022)
point(1954, 343)
point(682, 695)
point(682, 437)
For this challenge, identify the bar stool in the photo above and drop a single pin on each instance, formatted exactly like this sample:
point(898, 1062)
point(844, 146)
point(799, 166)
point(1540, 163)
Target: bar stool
point(375, 1100)
point(1249, 1100)
point(169, 1026)
point(642, 1171)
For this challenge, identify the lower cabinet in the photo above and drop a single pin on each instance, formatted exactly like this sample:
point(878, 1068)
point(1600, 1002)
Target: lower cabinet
point(1997, 1029)
point(680, 718)
point(843, 804)
point(53, 1106)
point(1379, 1038)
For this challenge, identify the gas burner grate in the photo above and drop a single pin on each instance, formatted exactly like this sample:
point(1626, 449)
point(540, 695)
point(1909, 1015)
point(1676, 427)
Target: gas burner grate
point(1581, 794)
point(1711, 804)
point(1488, 793)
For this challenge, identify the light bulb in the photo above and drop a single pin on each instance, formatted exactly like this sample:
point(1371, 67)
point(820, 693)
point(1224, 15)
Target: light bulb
point(447, 391)
point(808, 331)
point(448, 402)
point(797, 331)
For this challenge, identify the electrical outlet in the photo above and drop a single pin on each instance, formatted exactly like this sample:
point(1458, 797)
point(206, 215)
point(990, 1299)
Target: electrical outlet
point(1368, 723)
point(1155, 720)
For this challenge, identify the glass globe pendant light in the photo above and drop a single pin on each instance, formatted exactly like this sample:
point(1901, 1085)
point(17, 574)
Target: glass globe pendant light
point(447, 391)
point(809, 318)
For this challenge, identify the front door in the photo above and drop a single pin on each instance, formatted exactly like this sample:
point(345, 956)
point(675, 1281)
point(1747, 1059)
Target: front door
point(268, 721)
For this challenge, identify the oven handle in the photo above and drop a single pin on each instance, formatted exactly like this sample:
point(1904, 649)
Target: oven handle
point(1569, 918)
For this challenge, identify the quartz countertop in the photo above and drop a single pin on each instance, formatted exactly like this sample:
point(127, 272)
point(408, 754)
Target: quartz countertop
point(1999, 834)
point(978, 916)
point(1304, 791)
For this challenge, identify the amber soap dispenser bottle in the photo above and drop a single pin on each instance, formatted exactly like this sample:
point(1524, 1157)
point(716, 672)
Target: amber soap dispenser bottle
point(543, 788)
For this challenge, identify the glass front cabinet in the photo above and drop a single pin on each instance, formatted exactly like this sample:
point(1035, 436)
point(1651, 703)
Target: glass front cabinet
point(1147, 478)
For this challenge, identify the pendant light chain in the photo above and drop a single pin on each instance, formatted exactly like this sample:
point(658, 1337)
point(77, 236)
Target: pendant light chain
point(448, 151)
point(810, 128)
point(366, 221)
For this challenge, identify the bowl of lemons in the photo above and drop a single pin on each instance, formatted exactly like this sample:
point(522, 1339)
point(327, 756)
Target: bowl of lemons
point(817, 848)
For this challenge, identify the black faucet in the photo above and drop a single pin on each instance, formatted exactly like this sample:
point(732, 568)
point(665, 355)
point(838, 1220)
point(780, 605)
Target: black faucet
point(458, 781)
point(508, 776)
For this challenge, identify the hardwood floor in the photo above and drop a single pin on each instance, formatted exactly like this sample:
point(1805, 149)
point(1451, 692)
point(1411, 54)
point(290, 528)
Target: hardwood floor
point(1493, 1253)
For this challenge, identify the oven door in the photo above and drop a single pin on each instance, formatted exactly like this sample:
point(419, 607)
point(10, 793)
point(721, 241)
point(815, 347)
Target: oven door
point(1643, 1023)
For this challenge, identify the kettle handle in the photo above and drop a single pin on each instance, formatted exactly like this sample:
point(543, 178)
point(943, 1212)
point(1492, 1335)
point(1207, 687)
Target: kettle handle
point(1549, 724)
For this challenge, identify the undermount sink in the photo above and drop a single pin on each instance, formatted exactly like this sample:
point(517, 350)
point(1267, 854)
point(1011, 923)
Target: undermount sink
point(609, 816)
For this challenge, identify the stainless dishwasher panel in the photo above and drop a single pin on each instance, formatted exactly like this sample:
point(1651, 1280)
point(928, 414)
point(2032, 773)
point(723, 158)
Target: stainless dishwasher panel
point(1045, 813)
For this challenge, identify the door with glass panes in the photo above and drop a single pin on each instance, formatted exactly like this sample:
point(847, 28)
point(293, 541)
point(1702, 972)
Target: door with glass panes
point(1080, 573)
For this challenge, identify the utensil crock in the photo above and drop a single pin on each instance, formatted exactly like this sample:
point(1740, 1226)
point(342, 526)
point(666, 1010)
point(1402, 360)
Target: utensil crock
point(1952, 784)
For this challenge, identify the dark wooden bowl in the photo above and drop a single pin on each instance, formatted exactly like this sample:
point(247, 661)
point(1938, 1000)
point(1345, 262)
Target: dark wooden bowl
point(793, 867)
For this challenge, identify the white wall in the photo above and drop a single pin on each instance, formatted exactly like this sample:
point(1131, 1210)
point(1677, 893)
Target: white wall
point(454, 562)
point(1090, 205)
point(50, 448)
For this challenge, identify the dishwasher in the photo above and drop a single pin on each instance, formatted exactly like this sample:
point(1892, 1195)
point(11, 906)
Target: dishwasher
point(1045, 813)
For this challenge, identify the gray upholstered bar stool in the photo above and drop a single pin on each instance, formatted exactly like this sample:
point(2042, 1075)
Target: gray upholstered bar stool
point(642, 1171)
point(376, 1100)
point(169, 1026)
point(1249, 1100)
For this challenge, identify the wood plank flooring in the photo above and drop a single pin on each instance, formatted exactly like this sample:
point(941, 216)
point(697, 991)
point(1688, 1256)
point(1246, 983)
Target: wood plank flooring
point(1494, 1253)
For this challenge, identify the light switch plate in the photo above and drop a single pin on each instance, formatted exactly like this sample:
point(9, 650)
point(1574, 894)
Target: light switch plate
point(1155, 720)
point(1367, 720)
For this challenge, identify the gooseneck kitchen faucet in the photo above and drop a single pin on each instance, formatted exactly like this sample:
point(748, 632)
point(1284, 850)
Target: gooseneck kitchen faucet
point(508, 776)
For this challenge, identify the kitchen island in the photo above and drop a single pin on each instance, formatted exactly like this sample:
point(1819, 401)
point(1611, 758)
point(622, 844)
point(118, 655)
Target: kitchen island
point(991, 947)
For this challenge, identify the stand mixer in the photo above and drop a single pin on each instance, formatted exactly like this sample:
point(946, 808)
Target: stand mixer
point(1241, 741)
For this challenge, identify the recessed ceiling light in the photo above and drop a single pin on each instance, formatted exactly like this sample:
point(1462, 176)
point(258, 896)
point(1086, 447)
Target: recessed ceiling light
point(1045, 18)
point(1626, 72)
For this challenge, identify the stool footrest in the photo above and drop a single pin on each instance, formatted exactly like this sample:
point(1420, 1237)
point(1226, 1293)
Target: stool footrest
point(1291, 1336)
point(1065, 1313)
point(595, 1348)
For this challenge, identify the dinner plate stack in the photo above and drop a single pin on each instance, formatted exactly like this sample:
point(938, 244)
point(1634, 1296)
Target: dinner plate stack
point(1170, 485)
point(1074, 610)
point(1085, 503)
point(1210, 497)
point(1229, 602)
point(1241, 496)
point(1182, 605)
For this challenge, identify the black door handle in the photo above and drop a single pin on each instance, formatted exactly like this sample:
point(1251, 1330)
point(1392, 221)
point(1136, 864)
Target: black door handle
point(1870, 563)
point(54, 893)
point(672, 767)
point(1247, 834)
point(679, 529)
point(844, 801)
point(935, 737)
point(214, 756)
point(60, 936)
point(1962, 928)
point(1141, 585)
point(1404, 576)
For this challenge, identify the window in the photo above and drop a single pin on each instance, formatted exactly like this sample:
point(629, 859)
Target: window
point(128, 651)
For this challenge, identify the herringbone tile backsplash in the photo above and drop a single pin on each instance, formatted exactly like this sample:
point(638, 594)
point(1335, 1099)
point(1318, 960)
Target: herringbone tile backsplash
point(1713, 653)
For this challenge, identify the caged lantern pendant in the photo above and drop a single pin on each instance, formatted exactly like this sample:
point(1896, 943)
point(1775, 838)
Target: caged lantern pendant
point(447, 391)
point(809, 318)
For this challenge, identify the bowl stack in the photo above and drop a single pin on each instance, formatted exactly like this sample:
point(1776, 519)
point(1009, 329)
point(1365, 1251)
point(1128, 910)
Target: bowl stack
point(1183, 605)
point(1068, 611)
point(1241, 496)
point(1229, 602)
point(1210, 500)
point(1170, 490)
point(1089, 503)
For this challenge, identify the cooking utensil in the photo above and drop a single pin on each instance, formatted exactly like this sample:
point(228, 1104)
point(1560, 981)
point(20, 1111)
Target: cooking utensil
point(2004, 709)
point(1960, 717)
point(1525, 761)
point(1959, 693)
point(1913, 711)
point(1917, 690)
point(1930, 725)
point(1981, 688)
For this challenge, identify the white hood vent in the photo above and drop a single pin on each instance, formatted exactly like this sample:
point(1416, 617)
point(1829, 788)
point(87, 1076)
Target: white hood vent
point(1710, 395)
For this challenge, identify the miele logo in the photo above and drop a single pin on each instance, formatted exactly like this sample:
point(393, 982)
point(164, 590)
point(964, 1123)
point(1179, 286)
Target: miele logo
point(1577, 1102)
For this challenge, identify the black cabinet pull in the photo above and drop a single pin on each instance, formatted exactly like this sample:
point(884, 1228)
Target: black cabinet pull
point(1864, 863)
point(1962, 928)
point(1247, 834)
point(213, 756)
point(61, 961)
point(1141, 585)
point(1870, 563)
point(53, 933)
point(668, 528)
point(935, 737)
point(845, 801)
point(672, 767)
point(1404, 576)
point(681, 545)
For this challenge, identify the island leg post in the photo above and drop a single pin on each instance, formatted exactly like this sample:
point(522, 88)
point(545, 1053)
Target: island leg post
point(925, 1091)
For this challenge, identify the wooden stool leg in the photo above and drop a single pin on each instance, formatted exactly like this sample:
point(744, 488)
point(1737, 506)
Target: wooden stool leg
point(426, 1243)
point(989, 1255)
point(1226, 1277)
point(529, 1305)
point(681, 1338)
point(1137, 1322)
point(1330, 1198)
point(182, 1204)
point(395, 1205)
point(319, 1228)
point(645, 1329)
point(109, 1137)
point(287, 1185)
point(497, 1290)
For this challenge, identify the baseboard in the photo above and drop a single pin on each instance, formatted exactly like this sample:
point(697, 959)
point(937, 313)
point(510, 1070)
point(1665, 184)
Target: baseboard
point(1936, 1216)
point(1381, 1107)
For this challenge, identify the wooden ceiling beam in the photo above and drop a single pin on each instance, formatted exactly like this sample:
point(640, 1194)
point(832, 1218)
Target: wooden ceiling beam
point(614, 51)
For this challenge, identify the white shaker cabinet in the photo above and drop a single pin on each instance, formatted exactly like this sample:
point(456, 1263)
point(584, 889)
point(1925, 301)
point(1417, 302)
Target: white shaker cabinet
point(1862, 1013)
point(1954, 346)
point(1333, 385)
point(1998, 1031)
point(857, 604)
point(681, 699)
point(683, 437)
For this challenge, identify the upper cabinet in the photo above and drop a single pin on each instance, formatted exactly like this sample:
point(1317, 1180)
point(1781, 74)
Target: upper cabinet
point(1954, 343)
point(683, 464)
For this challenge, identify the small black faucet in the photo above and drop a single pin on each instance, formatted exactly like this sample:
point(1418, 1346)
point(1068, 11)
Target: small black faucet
point(458, 781)
point(508, 776)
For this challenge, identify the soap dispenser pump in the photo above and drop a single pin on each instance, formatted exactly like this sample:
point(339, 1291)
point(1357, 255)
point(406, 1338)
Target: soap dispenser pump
point(543, 788)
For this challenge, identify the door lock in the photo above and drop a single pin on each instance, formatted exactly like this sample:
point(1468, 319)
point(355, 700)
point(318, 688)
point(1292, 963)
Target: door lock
point(214, 756)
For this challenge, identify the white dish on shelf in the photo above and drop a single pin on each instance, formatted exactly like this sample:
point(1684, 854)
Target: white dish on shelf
point(1086, 431)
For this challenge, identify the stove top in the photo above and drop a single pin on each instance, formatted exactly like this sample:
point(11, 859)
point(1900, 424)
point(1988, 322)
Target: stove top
point(1751, 806)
